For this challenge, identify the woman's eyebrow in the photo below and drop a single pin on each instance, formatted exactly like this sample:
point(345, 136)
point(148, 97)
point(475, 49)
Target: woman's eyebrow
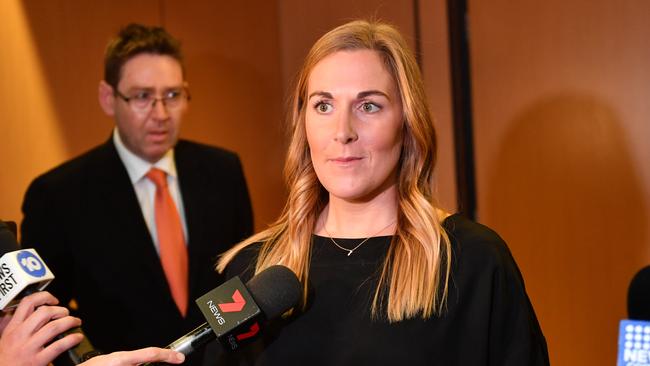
point(367, 93)
point(321, 94)
point(360, 95)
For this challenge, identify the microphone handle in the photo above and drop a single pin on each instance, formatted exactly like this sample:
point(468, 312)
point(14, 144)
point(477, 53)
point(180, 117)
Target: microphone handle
point(75, 355)
point(190, 342)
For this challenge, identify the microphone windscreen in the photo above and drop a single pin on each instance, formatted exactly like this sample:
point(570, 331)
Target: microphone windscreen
point(275, 290)
point(8, 241)
point(638, 296)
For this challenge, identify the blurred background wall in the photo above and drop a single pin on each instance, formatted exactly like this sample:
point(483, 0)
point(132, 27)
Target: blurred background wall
point(560, 101)
point(561, 117)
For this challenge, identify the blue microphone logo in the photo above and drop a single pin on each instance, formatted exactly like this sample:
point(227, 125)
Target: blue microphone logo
point(31, 264)
point(634, 343)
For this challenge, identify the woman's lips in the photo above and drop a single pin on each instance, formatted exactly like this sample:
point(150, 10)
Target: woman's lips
point(345, 160)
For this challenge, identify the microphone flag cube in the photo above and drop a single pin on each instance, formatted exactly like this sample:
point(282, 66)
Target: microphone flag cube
point(21, 272)
point(232, 313)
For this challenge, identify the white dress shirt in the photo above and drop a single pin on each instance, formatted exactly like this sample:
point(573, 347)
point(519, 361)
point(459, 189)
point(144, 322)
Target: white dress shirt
point(137, 168)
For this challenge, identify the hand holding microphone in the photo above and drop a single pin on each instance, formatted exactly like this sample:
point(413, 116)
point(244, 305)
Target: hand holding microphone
point(31, 335)
point(26, 337)
point(23, 272)
point(25, 340)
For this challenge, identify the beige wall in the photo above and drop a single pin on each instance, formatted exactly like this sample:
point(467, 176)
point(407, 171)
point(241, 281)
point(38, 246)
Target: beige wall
point(47, 94)
point(303, 22)
point(435, 70)
point(561, 109)
point(233, 61)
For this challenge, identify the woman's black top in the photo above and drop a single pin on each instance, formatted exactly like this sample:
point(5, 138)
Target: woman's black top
point(488, 320)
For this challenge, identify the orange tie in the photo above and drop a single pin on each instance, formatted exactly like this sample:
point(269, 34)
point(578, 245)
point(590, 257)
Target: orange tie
point(173, 252)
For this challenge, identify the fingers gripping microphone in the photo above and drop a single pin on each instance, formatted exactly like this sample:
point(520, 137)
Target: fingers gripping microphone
point(234, 311)
point(23, 272)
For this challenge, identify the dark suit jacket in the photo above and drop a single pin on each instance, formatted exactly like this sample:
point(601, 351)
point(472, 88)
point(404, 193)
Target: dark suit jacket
point(84, 219)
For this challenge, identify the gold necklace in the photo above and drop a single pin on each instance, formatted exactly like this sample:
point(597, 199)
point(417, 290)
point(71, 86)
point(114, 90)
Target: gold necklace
point(350, 251)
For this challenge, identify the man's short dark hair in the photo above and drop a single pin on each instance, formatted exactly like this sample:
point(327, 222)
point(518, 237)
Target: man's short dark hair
point(135, 39)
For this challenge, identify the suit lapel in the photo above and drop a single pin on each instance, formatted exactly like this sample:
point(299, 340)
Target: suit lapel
point(131, 237)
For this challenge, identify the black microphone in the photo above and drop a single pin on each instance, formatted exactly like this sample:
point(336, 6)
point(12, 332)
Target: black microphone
point(7, 236)
point(234, 311)
point(23, 272)
point(638, 296)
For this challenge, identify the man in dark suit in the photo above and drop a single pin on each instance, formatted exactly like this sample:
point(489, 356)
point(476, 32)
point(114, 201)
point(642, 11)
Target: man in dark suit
point(133, 250)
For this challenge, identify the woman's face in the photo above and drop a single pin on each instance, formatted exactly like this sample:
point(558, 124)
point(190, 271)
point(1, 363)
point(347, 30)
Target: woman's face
point(354, 124)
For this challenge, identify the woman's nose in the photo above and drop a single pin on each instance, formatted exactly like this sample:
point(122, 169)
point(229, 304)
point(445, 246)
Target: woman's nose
point(345, 131)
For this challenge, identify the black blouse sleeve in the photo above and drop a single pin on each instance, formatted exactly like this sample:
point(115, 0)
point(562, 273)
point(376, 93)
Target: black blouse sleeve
point(515, 335)
point(485, 266)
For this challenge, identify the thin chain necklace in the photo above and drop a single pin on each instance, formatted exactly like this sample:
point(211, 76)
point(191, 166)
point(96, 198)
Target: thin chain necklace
point(350, 251)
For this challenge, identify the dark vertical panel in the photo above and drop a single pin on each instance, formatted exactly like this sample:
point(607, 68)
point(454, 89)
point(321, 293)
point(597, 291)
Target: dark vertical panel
point(462, 106)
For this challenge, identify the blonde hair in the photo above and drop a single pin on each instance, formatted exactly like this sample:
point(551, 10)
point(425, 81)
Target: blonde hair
point(415, 275)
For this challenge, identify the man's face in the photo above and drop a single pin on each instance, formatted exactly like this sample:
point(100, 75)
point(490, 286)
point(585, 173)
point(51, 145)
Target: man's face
point(148, 132)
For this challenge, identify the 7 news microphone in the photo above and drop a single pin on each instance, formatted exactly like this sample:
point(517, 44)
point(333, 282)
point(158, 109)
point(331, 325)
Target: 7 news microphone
point(234, 311)
point(23, 272)
point(634, 333)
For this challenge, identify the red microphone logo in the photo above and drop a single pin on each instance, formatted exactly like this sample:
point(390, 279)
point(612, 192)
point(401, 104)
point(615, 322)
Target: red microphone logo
point(232, 313)
point(251, 332)
point(236, 305)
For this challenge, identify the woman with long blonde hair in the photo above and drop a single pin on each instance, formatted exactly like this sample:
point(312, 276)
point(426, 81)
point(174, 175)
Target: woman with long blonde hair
point(389, 277)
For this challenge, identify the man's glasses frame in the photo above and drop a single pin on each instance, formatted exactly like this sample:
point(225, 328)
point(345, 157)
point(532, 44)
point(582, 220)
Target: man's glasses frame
point(145, 101)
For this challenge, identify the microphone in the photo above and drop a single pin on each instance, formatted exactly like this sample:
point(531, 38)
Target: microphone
point(234, 311)
point(634, 333)
point(23, 272)
point(638, 296)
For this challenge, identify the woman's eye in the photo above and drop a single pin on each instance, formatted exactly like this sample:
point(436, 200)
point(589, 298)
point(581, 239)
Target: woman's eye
point(323, 107)
point(370, 107)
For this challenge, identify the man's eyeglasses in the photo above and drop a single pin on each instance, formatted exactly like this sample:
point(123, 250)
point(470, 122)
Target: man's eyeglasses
point(145, 100)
